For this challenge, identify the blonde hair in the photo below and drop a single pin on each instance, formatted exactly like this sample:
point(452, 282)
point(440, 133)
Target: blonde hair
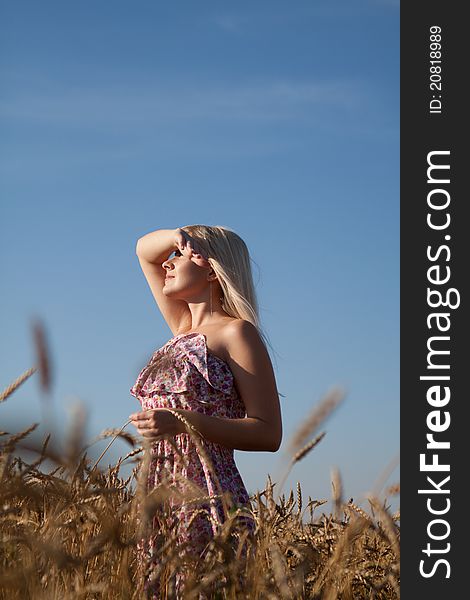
point(229, 257)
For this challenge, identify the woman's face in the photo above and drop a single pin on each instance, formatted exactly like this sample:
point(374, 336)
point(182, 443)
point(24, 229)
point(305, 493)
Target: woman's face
point(186, 275)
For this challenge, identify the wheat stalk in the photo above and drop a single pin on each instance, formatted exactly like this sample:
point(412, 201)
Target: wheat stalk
point(337, 488)
point(42, 353)
point(299, 455)
point(319, 413)
point(8, 391)
point(108, 446)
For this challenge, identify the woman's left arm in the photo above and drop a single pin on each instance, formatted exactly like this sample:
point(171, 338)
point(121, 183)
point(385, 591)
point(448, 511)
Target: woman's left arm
point(261, 429)
point(251, 366)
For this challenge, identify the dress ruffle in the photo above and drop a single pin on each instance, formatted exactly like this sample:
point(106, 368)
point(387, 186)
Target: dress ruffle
point(175, 368)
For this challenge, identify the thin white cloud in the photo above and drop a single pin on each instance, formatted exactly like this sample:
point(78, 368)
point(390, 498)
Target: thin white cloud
point(272, 101)
point(112, 123)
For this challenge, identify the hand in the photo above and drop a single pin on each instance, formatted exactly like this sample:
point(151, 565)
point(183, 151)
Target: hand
point(154, 423)
point(190, 247)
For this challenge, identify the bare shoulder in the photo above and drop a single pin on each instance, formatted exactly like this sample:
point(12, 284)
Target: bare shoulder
point(241, 335)
point(240, 329)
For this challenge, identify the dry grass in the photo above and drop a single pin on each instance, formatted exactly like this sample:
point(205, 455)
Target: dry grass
point(73, 532)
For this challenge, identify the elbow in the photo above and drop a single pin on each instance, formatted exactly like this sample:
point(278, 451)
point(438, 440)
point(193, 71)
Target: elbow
point(269, 436)
point(278, 438)
point(276, 444)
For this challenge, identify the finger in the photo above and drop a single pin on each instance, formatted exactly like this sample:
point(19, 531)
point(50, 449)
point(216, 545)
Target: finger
point(181, 241)
point(203, 262)
point(139, 416)
point(200, 251)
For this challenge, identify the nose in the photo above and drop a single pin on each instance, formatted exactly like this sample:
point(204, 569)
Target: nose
point(168, 265)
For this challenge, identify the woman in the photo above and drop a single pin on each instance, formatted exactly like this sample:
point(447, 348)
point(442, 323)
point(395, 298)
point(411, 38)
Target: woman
point(215, 373)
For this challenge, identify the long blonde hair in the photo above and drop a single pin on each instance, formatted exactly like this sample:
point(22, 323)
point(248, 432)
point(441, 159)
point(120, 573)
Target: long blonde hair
point(229, 257)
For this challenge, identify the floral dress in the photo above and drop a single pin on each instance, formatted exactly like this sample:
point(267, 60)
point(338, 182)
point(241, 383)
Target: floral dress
point(184, 374)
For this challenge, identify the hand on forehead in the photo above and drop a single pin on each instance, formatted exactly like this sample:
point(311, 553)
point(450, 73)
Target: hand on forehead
point(197, 255)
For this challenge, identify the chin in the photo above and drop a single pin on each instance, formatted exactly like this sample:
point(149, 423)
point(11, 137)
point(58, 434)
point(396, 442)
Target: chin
point(170, 293)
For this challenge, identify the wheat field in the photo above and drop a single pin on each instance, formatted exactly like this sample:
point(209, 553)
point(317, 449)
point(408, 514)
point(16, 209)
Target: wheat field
point(73, 531)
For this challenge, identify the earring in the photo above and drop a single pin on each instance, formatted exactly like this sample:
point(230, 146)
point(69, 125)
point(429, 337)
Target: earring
point(210, 291)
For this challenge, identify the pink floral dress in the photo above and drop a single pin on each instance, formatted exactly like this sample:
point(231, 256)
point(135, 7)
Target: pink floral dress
point(184, 374)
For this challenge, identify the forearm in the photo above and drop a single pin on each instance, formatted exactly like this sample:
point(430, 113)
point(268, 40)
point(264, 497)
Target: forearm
point(240, 434)
point(155, 247)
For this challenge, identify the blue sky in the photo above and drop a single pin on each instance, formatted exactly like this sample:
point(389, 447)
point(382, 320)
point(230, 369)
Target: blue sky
point(279, 120)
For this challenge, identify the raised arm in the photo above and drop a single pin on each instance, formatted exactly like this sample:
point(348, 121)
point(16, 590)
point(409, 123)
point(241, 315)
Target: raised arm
point(152, 251)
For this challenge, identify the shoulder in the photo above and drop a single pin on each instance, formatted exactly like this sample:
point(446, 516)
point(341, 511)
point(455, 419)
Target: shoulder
point(240, 334)
point(240, 329)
